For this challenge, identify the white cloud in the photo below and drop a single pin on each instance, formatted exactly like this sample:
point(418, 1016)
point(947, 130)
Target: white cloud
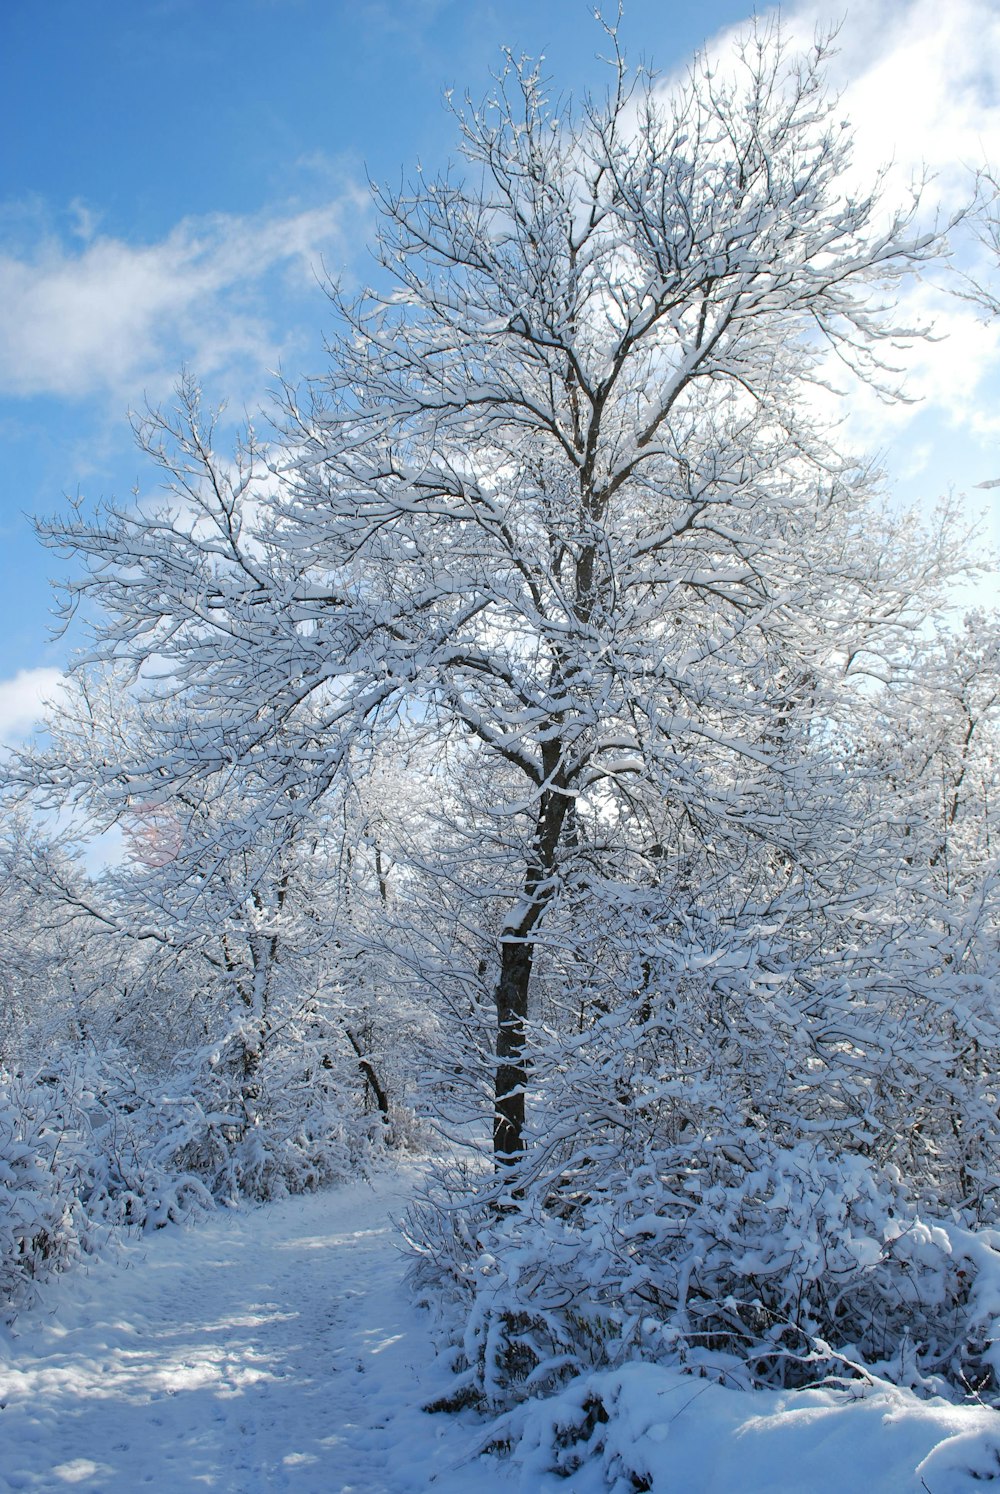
point(23, 700)
point(102, 315)
point(953, 374)
point(919, 82)
point(921, 85)
point(917, 461)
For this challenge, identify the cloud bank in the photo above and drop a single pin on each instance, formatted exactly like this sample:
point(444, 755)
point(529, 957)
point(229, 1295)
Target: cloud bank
point(920, 85)
point(108, 316)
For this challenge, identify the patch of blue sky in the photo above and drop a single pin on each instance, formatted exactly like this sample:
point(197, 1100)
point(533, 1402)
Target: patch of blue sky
point(177, 178)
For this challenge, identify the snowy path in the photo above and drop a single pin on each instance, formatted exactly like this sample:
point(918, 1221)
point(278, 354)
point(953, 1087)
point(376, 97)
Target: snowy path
point(277, 1350)
point(271, 1350)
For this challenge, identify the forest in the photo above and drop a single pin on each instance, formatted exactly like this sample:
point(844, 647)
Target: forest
point(541, 745)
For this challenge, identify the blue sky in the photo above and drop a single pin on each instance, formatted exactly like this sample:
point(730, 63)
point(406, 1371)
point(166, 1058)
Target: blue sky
point(175, 175)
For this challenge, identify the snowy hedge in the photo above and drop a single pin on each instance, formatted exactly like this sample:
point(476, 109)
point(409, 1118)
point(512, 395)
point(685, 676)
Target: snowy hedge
point(43, 1161)
point(77, 1155)
point(88, 1143)
point(775, 1268)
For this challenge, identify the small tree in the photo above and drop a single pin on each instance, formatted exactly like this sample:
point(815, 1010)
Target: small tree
point(225, 949)
point(928, 740)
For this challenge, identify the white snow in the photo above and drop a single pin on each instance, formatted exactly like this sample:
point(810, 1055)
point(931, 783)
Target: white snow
point(695, 1436)
point(278, 1349)
point(272, 1349)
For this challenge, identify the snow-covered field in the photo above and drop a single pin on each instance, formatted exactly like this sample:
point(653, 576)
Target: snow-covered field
point(276, 1349)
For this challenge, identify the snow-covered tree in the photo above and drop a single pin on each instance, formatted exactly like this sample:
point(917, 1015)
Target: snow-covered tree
point(928, 742)
point(225, 960)
point(561, 525)
point(559, 502)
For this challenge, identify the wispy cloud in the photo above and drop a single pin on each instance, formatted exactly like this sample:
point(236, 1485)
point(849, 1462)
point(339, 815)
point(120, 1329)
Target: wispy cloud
point(23, 700)
point(919, 84)
point(97, 314)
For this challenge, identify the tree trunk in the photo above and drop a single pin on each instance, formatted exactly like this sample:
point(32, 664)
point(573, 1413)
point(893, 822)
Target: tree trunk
point(511, 1072)
point(368, 1070)
point(517, 953)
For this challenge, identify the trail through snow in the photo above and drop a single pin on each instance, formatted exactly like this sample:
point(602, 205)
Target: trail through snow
point(277, 1349)
point(272, 1349)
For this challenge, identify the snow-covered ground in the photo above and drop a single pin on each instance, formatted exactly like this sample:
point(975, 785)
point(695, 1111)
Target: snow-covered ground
point(277, 1349)
point(273, 1349)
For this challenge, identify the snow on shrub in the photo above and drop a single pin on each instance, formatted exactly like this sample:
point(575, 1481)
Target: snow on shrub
point(92, 1142)
point(78, 1154)
point(644, 1426)
point(778, 1266)
point(287, 1120)
point(43, 1224)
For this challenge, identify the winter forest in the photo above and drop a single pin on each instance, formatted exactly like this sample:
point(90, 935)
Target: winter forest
point(548, 760)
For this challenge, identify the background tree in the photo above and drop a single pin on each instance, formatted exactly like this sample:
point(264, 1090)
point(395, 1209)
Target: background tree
point(230, 961)
point(929, 741)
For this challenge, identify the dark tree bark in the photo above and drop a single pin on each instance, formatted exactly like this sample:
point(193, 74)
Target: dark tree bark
point(371, 1076)
point(517, 953)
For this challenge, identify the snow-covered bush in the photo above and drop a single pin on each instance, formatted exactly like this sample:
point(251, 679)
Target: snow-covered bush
point(295, 1123)
point(775, 1265)
point(44, 1162)
point(80, 1152)
point(92, 1141)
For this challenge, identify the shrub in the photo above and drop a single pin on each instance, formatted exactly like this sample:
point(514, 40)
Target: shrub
point(778, 1265)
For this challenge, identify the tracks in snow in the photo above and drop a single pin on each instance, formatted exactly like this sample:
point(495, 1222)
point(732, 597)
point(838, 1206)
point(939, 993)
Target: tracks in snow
point(270, 1350)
